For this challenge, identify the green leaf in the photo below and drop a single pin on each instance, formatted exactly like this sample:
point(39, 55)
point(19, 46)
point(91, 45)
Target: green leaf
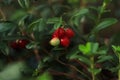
point(58, 24)
point(24, 3)
point(38, 25)
point(4, 48)
point(94, 71)
point(94, 47)
point(27, 3)
point(89, 49)
point(21, 3)
point(53, 20)
point(83, 49)
point(81, 12)
point(31, 45)
point(104, 24)
point(45, 76)
point(18, 15)
point(6, 26)
point(73, 55)
point(104, 58)
point(84, 59)
point(116, 50)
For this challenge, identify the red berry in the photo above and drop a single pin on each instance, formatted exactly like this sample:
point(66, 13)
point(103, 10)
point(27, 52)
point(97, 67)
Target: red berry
point(64, 42)
point(14, 45)
point(60, 32)
point(22, 43)
point(18, 44)
point(69, 32)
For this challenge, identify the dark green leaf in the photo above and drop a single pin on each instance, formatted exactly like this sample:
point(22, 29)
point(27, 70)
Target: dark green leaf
point(81, 12)
point(85, 60)
point(6, 26)
point(38, 25)
point(53, 20)
point(18, 15)
point(104, 58)
point(105, 24)
point(4, 48)
point(31, 45)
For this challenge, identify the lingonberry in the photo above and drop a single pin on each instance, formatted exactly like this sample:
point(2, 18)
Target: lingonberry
point(14, 45)
point(69, 32)
point(55, 41)
point(19, 44)
point(22, 43)
point(60, 32)
point(65, 42)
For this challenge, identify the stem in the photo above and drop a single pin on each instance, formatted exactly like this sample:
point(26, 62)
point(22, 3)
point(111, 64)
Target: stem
point(92, 67)
point(101, 12)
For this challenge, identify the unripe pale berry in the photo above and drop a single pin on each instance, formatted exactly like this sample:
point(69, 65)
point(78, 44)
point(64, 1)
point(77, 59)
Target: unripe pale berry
point(55, 41)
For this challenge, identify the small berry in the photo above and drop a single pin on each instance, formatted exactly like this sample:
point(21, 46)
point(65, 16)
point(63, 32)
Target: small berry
point(60, 32)
point(18, 44)
point(69, 32)
point(22, 43)
point(55, 41)
point(14, 45)
point(64, 42)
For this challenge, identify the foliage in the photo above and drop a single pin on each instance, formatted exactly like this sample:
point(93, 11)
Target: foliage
point(29, 49)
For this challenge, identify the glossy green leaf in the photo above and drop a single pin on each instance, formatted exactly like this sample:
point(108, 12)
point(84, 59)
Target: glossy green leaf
point(38, 25)
point(6, 26)
point(81, 12)
point(105, 24)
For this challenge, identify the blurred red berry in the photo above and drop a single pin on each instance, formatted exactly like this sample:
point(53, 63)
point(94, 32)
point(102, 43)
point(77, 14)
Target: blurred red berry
point(14, 45)
point(22, 43)
point(18, 44)
point(69, 32)
point(60, 32)
point(65, 42)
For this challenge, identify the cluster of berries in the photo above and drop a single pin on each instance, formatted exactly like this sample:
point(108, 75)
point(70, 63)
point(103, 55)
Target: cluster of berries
point(62, 37)
point(19, 44)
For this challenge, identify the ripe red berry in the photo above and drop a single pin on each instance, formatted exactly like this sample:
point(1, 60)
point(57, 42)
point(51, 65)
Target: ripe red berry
point(69, 32)
point(18, 44)
point(64, 42)
point(22, 43)
point(60, 32)
point(14, 45)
